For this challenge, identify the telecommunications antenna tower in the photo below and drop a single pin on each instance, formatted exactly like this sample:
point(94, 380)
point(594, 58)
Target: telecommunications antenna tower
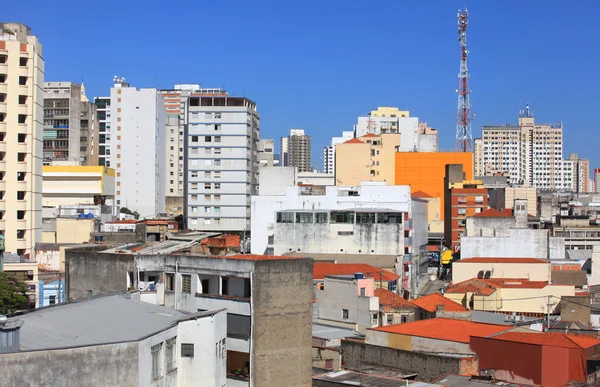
point(464, 136)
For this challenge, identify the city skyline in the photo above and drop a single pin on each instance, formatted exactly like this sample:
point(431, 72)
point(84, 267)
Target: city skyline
point(297, 75)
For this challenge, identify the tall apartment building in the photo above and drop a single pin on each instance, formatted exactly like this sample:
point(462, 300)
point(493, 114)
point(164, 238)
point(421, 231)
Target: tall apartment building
point(137, 147)
point(579, 169)
point(597, 179)
point(266, 153)
point(295, 150)
point(69, 120)
point(220, 162)
point(175, 106)
point(478, 156)
point(21, 133)
point(329, 151)
point(103, 118)
point(530, 153)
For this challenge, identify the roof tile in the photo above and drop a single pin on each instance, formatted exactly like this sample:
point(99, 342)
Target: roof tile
point(421, 194)
point(445, 329)
point(492, 213)
point(502, 260)
point(353, 141)
point(432, 301)
point(391, 299)
point(321, 269)
point(553, 339)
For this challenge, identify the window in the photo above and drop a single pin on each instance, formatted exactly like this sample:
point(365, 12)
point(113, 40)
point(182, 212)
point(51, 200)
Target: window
point(187, 350)
point(52, 300)
point(304, 217)
point(22, 99)
point(389, 217)
point(156, 360)
point(20, 195)
point(22, 118)
point(23, 81)
point(205, 286)
point(170, 282)
point(194, 138)
point(21, 176)
point(217, 185)
point(217, 162)
point(345, 314)
point(462, 211)
point(342, 217)
point(363, 292)
point(207, 139)
point(217, 138)
point(22, 137)
point(478, 199)
point(365, 218)
point(345, 233)
point(224, 286)
point(217, 197)
point(207, 186)
point(390, 319)
point(217, 151)
point(186, 283)
point(170, 354)
point(321, 217)
point(285, 217)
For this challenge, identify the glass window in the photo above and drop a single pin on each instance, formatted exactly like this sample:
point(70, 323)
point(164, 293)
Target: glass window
point(186, 283)
point(321, 217)
point(342, 217)
point(170, 354)
point(156, 360)
point(285, 217)
point(345, 314)
point(365, 217)
point(304, 217)
point(389, 217)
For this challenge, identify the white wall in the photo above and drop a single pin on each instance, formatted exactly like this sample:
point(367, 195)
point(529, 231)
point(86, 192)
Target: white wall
point(142, 156)
point(520, 243)
point(371, 195)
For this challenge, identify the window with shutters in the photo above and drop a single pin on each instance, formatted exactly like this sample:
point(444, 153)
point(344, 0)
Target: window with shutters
point(187, 350)
point(186, 283)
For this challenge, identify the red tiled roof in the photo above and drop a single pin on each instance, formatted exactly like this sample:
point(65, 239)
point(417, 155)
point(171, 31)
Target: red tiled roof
point(433, 248)
point(459, 331)
point(124, 221)
point(521, 283)
point(391, 300)
point(321, 269)
point(255, 257)
point(353, 141)
point(492, 213)
point(421, 194)
point(432, 301)
point(470, 288)
point(502, 260)
point(472, 191)
point(370, 135)
point(552, 339)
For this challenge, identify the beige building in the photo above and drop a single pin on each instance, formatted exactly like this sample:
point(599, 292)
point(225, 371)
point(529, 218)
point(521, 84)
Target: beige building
point(509, 295)
point(580, 171)
point(367, 158)
point(434, 222)
point(532, 268)
point(71, 185)
point(70, 230)
point(21, 132)
point(530, 153)
point(26, 272)
point(478, 155)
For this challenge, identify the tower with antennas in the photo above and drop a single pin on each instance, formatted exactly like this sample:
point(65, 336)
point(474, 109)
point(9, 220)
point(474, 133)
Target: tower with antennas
point(464, 136)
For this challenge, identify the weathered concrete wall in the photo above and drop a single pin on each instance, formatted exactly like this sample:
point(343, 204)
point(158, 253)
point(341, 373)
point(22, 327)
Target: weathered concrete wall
point(89, 269)
point(575, 308)
point(576, 278)
point(103, 365)
point(522, 243)
point(428, 367)
point(282, 323)
point(321, 355)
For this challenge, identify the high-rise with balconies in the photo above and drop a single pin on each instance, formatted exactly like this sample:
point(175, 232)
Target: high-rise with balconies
point(21, 132)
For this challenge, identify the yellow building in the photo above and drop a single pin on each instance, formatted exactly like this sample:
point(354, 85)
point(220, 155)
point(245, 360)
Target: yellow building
point(71, 185)
point(425, 171)
point(69, 230)
point(368, 158)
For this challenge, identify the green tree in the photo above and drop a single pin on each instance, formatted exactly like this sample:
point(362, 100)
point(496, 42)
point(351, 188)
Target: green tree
point(125, 210)
point(13, 294)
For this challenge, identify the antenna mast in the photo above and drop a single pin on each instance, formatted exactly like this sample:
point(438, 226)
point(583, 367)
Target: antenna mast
point(464, 136)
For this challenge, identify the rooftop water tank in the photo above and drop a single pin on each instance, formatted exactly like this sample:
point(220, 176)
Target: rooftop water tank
point(359, 275)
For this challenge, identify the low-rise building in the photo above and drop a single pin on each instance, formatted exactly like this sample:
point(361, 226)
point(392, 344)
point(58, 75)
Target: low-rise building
point(114, 341)
point(534, 269)
point(268, 300)
point(545, 359)
point(348, 301)
point(520, 296)
point(438, 335)
point(382, 278)
point(72, 185)
point(25, 271)
point(394, 309)
point(432, 304)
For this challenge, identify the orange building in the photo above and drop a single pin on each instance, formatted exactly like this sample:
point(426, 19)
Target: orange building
point(425, 171)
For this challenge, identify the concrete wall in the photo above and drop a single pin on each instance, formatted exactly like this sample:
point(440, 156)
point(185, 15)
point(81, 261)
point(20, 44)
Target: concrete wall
point(577, 278)
point(575, 308)
point(420, 232)
point(371, 195)
point(282, 329)
point(428, 367)
point(88, 269)
point(74, 230)
point(521, 243)
point(341, 294)
point(484, 226)
point(275, 180)
point(102, 365)
point(415, 343)
point(464, 270)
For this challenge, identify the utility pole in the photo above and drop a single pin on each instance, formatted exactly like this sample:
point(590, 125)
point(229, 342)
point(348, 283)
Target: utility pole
point(548, 305)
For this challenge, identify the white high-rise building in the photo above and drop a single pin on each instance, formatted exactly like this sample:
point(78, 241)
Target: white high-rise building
point(329, 151)
point(220, 162)
point(137, 147)
point(531, 154)
point(21, 135)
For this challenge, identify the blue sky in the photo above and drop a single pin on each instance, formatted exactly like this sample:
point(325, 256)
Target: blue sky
point(318, 65)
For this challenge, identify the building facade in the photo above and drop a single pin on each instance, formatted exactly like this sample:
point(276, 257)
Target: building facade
point(103, 118)
point(220, 162)
point(72, 185)
point(532, 154)
point(295, 150)
point(367, 158)
point(329, 151)
point(69, 124)
point(266, 153)
point(268, 301)
point(21, 136)
point(580, 172)
point(137, 148)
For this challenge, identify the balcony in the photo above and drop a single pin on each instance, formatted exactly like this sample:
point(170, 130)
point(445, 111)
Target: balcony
point(233, 304)
point(3, 88)
point(2, 186)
